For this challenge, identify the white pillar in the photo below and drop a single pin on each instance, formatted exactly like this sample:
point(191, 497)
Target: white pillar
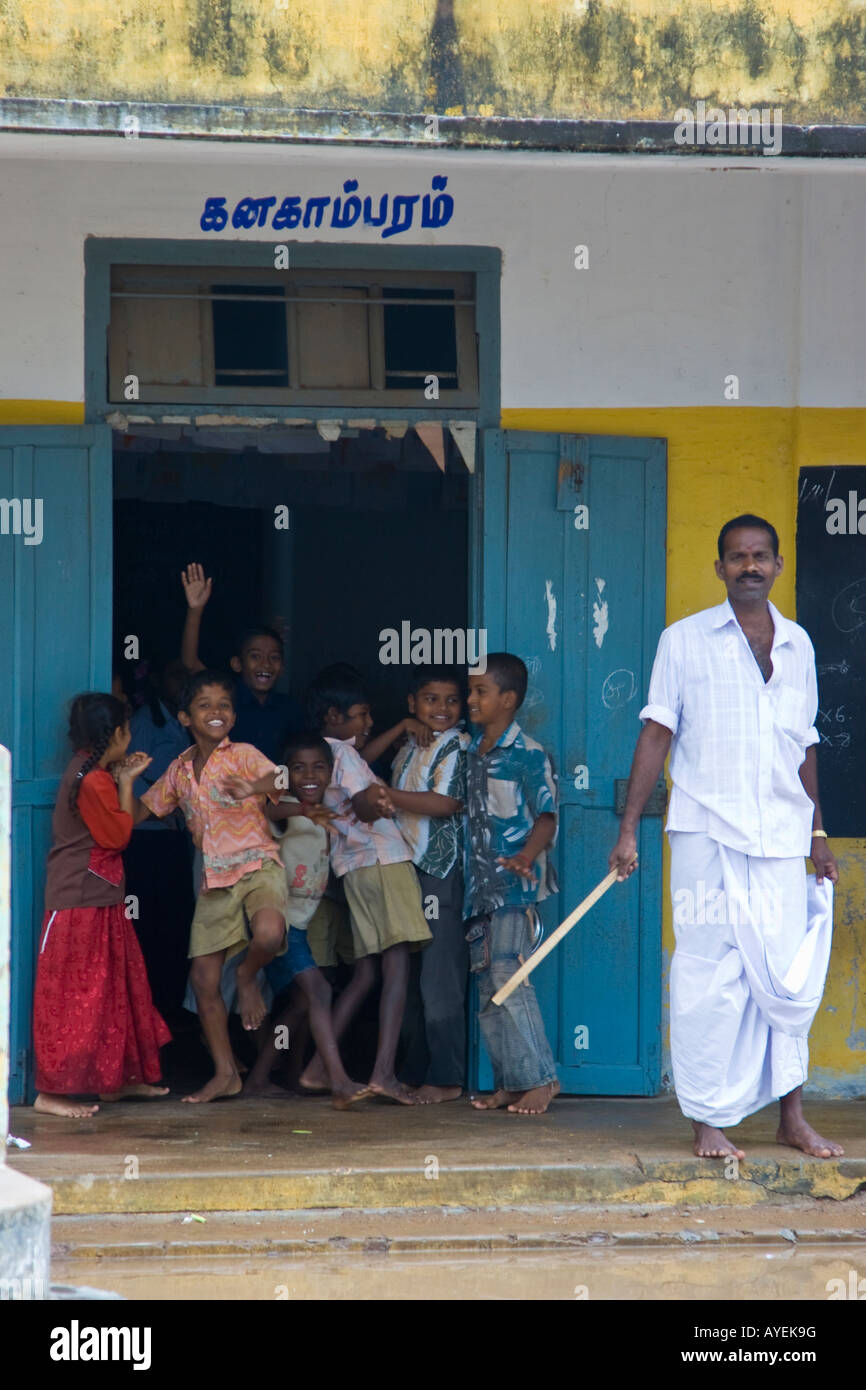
point(25, 1205)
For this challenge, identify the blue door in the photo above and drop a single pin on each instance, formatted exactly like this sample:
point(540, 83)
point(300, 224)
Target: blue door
point(572, 579)
point(55, 621)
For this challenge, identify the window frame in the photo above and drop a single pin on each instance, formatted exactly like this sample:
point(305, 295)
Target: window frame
point(374, 266)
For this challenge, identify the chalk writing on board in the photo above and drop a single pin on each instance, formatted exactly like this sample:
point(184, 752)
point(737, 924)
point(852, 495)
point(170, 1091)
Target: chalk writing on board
point(849, 607)
point(297, 211)
point(619, 687)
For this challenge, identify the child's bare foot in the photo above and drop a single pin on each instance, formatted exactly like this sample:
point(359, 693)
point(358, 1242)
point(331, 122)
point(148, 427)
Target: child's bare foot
point(255, 1086)
point(800, 1135)
point(435, 1095)
point(345, 1096)
point(536, 1101)
point(137, 1092)
point(497, 1101)
point(714, 1143)
point(392, 1089)
point(59, 1105)
point(251, 1005)
point(218, 1088)
point(314, 1077)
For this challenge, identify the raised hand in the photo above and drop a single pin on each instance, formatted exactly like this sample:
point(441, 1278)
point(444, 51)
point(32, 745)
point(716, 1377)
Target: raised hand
point(196, 588)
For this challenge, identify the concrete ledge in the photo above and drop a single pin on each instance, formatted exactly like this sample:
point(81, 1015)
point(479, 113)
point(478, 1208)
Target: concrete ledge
point(25, 1219)
point(299, 1155)
point(489, 1186)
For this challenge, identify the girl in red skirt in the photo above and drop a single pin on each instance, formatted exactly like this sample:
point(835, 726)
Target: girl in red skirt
point(94, 1025)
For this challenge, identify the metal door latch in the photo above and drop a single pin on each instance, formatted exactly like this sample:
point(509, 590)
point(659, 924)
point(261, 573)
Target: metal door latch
point(656, 803)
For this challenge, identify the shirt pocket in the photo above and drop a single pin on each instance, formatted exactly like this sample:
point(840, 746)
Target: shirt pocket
point(503, 798)
point(791, 712)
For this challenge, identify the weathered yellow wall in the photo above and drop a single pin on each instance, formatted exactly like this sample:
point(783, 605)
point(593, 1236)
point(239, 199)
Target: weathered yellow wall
point(612, 59)
point(723, 461)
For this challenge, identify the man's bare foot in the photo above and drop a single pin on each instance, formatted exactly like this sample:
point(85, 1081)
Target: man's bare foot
point(536, 1101)
point(251, 1005)
point(59, 1105)
point(345, 1096)
point(713, 1143)
point(800, 1135)
point(392, 1089)
point(218, 1088)
point(497, 1101)
point(435, 1095)
point(136, 1092)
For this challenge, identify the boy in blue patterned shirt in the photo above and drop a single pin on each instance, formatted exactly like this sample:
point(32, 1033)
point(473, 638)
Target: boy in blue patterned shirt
point(511, 822)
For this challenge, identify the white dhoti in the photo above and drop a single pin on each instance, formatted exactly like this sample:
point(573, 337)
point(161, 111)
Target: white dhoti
point(752, 949)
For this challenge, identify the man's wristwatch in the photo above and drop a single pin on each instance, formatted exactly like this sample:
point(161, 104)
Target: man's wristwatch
point(819, 835)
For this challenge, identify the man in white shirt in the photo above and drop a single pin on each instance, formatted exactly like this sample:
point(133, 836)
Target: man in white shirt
point(733, 696)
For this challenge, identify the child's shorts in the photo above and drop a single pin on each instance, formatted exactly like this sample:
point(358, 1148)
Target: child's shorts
point(297, 958)
point(386, 909)
point(219, 924)
point(329, 934)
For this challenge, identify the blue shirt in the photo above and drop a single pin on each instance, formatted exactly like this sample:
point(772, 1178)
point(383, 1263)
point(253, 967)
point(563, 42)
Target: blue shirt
point(507, 789)
point(266, 726)
point(163, 743)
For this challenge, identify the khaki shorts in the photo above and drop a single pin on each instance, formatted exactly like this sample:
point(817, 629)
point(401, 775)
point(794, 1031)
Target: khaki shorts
point(329, 935)
point(385, 905)
point(221, 914)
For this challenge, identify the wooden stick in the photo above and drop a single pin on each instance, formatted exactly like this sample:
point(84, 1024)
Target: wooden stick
point(538, 956)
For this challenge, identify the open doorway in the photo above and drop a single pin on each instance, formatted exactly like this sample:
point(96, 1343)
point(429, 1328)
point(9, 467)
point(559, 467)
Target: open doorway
point(329, 542)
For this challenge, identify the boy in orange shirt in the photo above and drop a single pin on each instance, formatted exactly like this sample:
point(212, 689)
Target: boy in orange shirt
point(243, 874)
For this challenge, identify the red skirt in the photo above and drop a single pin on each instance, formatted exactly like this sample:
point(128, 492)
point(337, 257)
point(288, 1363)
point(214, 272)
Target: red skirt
point(94, 1024)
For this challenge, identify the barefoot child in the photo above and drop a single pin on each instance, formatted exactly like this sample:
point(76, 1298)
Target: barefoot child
point(373, 861)
point(511, 820)
point(304, 849)
point(242, 872)
point(94, 1025)
point(428, 784)
point(264, 717)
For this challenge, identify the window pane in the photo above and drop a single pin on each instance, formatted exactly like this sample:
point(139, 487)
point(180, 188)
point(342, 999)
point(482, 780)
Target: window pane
point(249, 340)
point(419, 342)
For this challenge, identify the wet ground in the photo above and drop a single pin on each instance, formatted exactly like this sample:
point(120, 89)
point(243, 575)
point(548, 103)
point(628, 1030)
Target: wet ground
point(679, 1275)
point(801, 1249)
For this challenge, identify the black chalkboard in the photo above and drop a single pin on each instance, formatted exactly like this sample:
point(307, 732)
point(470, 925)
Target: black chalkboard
point(831, 606)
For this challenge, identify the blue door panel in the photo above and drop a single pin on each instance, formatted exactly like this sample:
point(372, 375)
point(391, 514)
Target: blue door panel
point(584, 607)
point(55, 618)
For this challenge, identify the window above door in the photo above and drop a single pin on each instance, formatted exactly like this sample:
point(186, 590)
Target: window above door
point(322, 337)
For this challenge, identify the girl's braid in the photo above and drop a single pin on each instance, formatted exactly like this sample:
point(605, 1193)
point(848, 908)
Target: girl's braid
point(88, 765)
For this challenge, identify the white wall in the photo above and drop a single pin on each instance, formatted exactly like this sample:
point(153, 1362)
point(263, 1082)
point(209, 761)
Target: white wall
point(698, 267)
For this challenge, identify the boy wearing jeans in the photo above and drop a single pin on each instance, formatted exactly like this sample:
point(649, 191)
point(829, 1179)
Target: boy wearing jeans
point(511, 821)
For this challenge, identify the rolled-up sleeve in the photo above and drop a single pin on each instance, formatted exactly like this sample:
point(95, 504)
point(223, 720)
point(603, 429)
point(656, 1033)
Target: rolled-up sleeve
point(664, 701)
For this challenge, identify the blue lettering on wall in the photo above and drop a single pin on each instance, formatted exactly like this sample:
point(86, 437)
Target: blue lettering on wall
point(290, 211)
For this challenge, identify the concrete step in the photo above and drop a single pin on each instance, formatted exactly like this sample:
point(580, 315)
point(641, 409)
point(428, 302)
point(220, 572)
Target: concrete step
point(299, 1155)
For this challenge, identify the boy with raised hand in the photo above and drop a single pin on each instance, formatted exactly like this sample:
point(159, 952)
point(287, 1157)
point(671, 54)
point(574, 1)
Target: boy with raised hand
point(511, 822)
point(264, 717)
